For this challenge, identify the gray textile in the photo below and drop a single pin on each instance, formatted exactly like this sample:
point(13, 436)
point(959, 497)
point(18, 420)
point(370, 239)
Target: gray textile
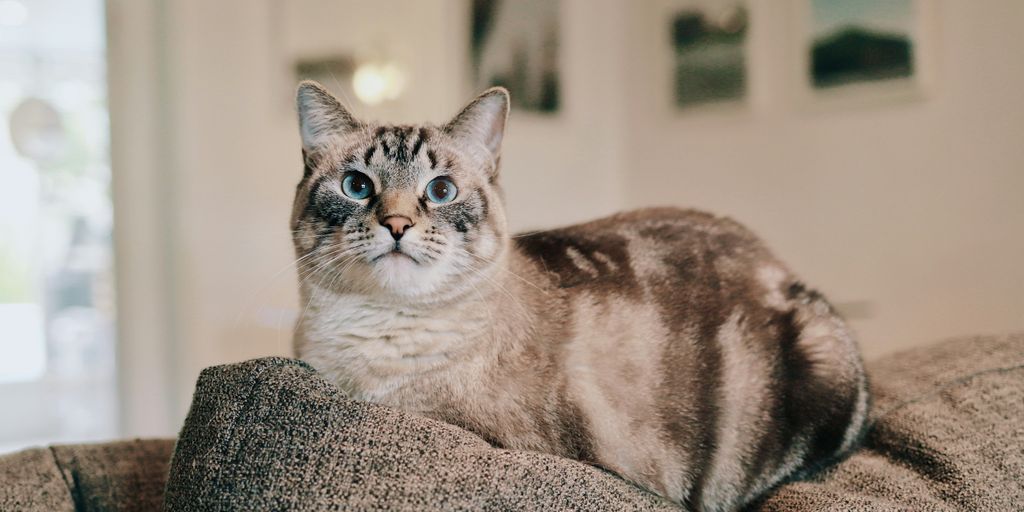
point(271, 434)
point(122, 476)
point(948, 435)
point(31, 480)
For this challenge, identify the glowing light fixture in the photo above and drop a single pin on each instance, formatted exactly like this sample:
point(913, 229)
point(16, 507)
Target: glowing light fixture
point(374, 83)
point(12, 13)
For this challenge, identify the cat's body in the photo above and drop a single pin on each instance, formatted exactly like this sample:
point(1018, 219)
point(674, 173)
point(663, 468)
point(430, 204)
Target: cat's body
point(668, 346)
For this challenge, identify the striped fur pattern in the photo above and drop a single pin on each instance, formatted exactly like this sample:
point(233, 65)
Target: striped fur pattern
point(669, 346)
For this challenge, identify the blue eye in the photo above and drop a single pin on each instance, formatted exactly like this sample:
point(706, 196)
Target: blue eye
point(441, 190)
point(357, 185)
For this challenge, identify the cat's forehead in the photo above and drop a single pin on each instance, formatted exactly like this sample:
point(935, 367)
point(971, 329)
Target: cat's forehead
point(398, 154)
point(400, 144)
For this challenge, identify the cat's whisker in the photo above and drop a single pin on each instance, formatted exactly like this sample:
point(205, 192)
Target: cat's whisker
point(494, 283)
point(527, 233)
point(513, 274)
point(340, 255)
point(484, 304)
point(253, 297)
point(343, 257)
point(313, 266)
point(316, 289)
point(347, 265)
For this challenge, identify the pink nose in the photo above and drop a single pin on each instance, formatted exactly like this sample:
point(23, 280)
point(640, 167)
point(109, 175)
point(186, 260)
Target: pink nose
point(397, 224)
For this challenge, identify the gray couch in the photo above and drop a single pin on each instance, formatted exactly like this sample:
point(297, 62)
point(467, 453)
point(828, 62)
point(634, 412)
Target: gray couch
point(269, 434)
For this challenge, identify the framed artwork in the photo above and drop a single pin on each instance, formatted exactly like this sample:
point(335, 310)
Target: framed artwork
point(514, 44)
point(709, 51)
point(333, 72)
point(865, 50)
point(862, 41)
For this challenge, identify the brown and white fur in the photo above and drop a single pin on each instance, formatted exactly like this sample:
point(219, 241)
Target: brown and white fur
point(669, 346)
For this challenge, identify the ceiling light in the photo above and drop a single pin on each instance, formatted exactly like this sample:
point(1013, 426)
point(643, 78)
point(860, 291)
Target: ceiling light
point(374, 83)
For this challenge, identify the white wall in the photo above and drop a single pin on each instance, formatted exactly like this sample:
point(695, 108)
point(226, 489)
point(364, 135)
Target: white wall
point(911, 210)
point(207, 157)
point(911, 207)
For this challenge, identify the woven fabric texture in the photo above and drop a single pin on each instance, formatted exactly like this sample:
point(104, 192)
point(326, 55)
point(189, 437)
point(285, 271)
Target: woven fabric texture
point(948, 434)
point(124, 476)
point(270, 434)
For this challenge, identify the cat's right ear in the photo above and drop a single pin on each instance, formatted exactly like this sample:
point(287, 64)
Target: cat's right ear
point(481, 124)
point(321, 116)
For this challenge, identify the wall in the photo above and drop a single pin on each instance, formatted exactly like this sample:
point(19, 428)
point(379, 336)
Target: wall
point(206, 173)
point(907, 213)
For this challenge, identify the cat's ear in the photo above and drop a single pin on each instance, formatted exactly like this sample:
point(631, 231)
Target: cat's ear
point(481, 124)
point(321, 116)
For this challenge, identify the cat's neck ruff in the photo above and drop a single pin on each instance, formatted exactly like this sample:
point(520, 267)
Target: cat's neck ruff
point(372, 345)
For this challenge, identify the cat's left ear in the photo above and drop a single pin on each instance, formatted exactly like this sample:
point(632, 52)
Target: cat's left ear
point(481, 124)
point(321, 116)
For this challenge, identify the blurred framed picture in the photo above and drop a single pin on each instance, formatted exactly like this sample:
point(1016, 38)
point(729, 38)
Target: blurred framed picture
point(863, 41)
point(333, 72)
point(709, 51)
point(514, 44)
point(865, 49)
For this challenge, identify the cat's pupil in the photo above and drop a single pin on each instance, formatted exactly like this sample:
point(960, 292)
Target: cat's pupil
point(440, 189)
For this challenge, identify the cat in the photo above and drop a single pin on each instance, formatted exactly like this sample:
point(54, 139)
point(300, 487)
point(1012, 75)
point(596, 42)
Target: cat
point(668, 346)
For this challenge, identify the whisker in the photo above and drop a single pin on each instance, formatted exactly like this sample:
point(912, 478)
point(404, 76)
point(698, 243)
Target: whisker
point(513, 274)
point(494, 283)
point(255, 296)
point(315, 288)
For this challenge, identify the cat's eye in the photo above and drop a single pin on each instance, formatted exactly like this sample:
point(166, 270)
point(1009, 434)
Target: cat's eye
point(357, 185)
point(441, 190)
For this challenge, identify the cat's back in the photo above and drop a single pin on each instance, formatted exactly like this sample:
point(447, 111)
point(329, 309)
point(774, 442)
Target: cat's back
point(627, 250)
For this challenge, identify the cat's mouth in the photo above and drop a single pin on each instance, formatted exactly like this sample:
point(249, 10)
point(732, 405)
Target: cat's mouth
point(395, 252)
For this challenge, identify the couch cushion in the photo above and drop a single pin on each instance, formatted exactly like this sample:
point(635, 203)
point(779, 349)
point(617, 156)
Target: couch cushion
point(948, 434)
point(124, 476)
point(121, 476)
point(271, 434)
point(31, 480)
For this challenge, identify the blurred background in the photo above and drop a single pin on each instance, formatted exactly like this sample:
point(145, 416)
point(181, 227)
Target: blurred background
point(149, 153)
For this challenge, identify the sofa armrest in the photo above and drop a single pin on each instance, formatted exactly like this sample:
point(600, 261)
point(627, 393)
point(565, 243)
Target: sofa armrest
point(121, 476)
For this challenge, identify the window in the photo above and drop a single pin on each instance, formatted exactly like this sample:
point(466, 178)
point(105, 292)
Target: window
point(57, 363)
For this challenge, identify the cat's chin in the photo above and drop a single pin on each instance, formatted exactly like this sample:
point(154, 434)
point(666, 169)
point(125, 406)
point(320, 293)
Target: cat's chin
point(402, 275)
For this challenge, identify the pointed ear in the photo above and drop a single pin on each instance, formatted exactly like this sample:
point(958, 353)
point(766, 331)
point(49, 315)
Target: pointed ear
point(481, 124)
point(321, 116)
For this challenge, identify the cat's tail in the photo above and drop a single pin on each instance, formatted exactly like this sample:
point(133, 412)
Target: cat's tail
point(834, 374)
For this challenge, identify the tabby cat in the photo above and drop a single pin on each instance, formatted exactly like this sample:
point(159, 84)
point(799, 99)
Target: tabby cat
point(668, 346)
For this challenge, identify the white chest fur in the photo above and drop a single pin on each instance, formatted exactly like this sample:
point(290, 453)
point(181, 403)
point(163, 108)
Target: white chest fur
point(374, 349)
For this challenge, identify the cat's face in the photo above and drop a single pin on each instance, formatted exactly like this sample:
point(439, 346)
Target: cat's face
point(411, 212)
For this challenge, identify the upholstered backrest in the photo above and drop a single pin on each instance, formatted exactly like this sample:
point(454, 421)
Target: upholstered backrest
point(122, 476)
point(271, 434)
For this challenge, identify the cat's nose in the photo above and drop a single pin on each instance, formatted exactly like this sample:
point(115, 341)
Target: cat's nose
point(397, 224)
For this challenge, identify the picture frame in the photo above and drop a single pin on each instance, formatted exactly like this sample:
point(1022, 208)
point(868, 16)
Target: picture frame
point(710, 57)
point(848, 86)
point(516, 45)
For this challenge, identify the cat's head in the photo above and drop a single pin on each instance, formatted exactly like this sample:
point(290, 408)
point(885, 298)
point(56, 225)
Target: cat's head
point(411, 212)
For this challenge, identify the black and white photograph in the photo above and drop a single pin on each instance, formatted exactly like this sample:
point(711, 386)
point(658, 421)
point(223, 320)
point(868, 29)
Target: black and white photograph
point(514, 44)
point(709, 51)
